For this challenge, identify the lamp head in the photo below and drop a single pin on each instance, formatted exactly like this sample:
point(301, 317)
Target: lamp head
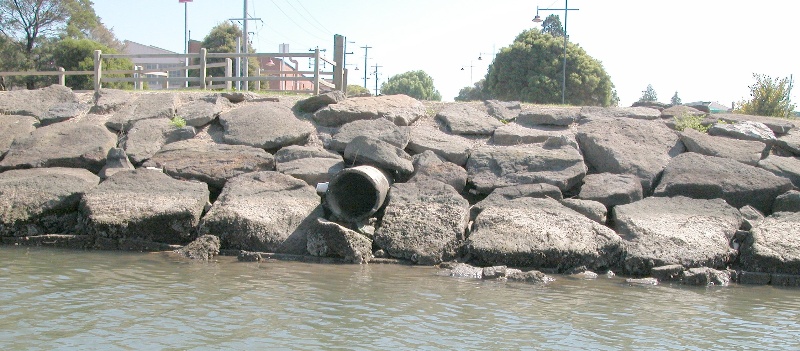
point(537, 19)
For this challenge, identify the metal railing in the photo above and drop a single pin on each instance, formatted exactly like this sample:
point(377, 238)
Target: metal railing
point(138, 76)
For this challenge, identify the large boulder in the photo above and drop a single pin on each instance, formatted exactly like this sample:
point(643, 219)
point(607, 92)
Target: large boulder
point(555, 116)
point(611, 189)
point(380, 129)
point(308, 163)
point(116, 161)
point(264, 211)
point(108, 101)
point(779, 126)
point(429, 165)
point(157, 105)
point(401, 110)
point(12, 127)
point(423, 222)
point(500, 196)
point(332, 239)
point(643, 113)
point(628, 146)
point(790, 143)
point(787, 167)
point(199, 112)
point(491, 167)
point(147, 136)
point(774, 245)
point(35, 103)
point(63, 111)
point(681, 111)
point(453, 148)
point(42, 200)
point(503, 110)
point(464, 119)
point(314, 103)
point(787, 202)
point(593, 210)
point(745, 151)
point(708, 177)
point(746, 130)
point(378, 153)
point(660, 231)
point(209, 162)
point(144, 205)
point(265, 125)
point(515, 134)
point(541, 233)
point(73, 145)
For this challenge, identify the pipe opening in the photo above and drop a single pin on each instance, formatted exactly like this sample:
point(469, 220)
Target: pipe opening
point(356, 193)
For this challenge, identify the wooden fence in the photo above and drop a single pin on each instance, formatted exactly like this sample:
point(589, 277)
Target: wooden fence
point(138, 76)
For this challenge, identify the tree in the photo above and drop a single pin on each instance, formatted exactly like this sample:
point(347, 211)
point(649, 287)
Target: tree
point(768, 97)
point(530, 70)
point(357, 90)
point(649, 95)
point(77, 55)
point(474, 93)
point(222, 38)
point(416, 84)
point(675, 99)
point(552, 25)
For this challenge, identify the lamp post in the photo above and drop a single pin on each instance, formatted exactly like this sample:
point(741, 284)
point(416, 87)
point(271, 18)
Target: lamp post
point(470, 71)
point(538, 19)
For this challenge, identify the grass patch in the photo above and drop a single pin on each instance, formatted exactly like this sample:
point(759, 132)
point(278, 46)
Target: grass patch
point(178, 122)
point(690, 121)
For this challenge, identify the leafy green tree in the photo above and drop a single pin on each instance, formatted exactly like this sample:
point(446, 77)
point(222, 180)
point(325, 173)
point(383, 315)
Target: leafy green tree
point(357, 90)
point(222, 38)
point(416, 84)
point(768, 97)
point(649, 95)
point(675, 99)
point(474, 93)
point(530, 70)
point(77, 55)
point(552, 25)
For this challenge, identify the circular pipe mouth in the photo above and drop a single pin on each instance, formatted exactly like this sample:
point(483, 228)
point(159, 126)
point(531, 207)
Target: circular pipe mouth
point(356, 193)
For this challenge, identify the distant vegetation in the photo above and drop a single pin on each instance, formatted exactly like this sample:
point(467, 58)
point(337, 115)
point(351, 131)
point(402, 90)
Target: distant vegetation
point(416, 84)
point(768, 97)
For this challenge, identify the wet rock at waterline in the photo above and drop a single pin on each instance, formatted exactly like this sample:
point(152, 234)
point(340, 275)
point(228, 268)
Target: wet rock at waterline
point(774, 245)
point(332, 239)
point(203, 248)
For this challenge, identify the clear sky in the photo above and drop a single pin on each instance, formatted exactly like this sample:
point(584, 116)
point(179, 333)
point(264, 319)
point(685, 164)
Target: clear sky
point(705, 50)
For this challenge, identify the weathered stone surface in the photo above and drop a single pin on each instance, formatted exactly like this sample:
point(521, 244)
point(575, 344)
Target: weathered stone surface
point(661, 231)
point(555, 116)
point(628, 146)
point(116, 161)
point(366, 150)
point(423, 222)
point(63, 111)
point(704, 276)
point(401, 110)
point(644, 113)
point(790, 142)
point(146, 106)
point(265, 125)
point(264, 211)
point(743, 131)
point(532, 277)
point(144, 205)
point(503, 110)
point(541, 233)
point(668, 273)
point(380, 129)
point(111, 100)
point(774, 245)
point(331, 239)
point(745, 151)
point(12, 127)
point(500, 196)
point(211, 163)
point(516, 134)
point(779, 126)
point(679, 111)
point(651, 104)
point(787, 202)
point(317, 102)
point(146, 137)
point(74, 145)
point(203, 248)
point(428, 165)
point(199, 112)
point(611, 189)
point(42, 200)
point(453, 148)
point(786, 167)
point(750, 216)
point(709, 177)
point(593, 210)
point(35, 103)
point(310, 164)
point(492, 167)
point(463, 119)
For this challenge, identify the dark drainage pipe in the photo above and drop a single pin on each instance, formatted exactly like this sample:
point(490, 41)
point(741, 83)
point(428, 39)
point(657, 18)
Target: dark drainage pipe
point(356, 193)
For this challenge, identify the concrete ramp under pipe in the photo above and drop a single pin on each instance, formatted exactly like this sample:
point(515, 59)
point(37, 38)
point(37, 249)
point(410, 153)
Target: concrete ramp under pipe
point(356, 193)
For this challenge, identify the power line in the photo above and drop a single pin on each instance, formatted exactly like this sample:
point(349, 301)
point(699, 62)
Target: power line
point(326, 32)
point(295, 23)
point(312, 17)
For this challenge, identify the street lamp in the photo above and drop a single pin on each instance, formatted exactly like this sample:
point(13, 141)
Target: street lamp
point(470, 71)
point(538, 19)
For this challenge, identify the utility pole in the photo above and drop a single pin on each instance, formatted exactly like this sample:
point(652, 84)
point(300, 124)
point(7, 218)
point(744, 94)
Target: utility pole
point(244, 20)
point(366, 49)
point(376, 78)
point(186, 37)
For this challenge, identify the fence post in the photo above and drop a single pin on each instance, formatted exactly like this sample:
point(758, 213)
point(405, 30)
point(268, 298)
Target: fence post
point(316, 71)
point(98, 70)
point(228, 72)
point(62, 77)
point(338, 58)
point(203, 72)
point(258, 82)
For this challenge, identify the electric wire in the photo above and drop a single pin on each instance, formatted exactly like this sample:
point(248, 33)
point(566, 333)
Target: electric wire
point(298, 25)
point(312, 17)
point(324, 31)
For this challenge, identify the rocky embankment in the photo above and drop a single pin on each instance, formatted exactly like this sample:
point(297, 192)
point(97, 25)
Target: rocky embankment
point(493, 185)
